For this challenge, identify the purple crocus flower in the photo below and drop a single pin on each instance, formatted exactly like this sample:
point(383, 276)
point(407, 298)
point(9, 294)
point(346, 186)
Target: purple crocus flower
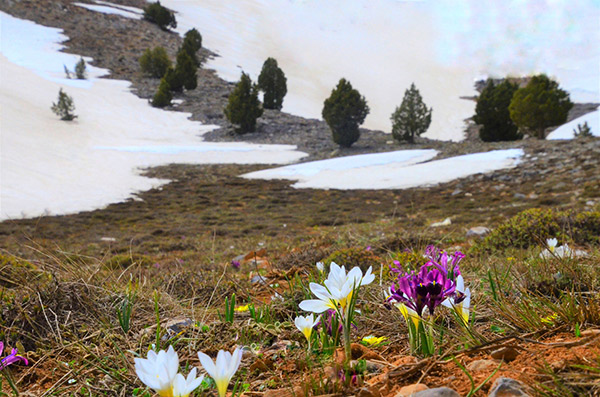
point(11, 358)
point(428, 288)
point(235, 264)
point(445, 262)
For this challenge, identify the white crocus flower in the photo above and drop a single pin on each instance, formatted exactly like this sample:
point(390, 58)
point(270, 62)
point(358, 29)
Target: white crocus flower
point(461, 308)
point(306, 324)
point(338, 289)
point(223, 369)
point(551, 242)
point(320, 267)
point(158, 370)
point(563, 251)
point(183, 387)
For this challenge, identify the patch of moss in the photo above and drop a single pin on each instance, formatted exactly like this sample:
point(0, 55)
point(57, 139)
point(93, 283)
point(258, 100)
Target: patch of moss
point(123, 261)
point(534, 226)
point(15, 272)
point(351, 257)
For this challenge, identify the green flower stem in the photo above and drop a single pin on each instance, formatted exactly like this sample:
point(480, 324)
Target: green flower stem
point(347, 347)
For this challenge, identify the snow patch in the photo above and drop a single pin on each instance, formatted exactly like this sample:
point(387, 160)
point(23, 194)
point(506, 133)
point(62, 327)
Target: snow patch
point(111, 9)
point(49, 166)
point(390, 173)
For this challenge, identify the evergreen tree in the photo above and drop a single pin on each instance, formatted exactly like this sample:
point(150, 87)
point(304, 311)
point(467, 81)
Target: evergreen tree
point(192, 43)
point(80, 71)
point(244, 107)
point(174, 79)
point(160, 15)
point(64, 107)
point(163, 95)
point(492, 112)
point(155, 62)
point(411, 118)
point(539, 105)
point(194, 37)
point(186, 68)
point(273, 83)
point(344, 111)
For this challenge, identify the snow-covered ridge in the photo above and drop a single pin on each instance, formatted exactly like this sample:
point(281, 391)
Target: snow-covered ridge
point(49, 166)
point(381, 47)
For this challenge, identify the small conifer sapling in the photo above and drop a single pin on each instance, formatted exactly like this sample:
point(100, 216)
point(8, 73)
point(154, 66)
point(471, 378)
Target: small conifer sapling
point(64, 107)
point(411, 118)
point(80, 69)
point(186, 68)
point(583, 131)
point(243, 106)
point(163, 95)
point(344, 111)
point(160, 15)
point(273, 84)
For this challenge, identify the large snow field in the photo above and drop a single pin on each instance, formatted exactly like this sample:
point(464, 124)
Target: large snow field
point(49, 166)
point(384, 46)
point(394, 170)
point(565, 131)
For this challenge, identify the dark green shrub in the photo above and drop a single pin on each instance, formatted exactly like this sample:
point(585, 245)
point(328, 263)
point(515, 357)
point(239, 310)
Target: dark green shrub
point(64, 107)
point(344, 111)
point(160, 15)
point(155, 62)
point(527, 228)
point(80, 71)
point(194, 38)
point(584, 227)
point(539, 105)
point(532, 227)
point(243, 106)
point(163, 95)
point(411, 118)
point(351, 257)
point(186, 69)
point(174, 79)
point(273, 83)
point(492, 113)
point(192, 42)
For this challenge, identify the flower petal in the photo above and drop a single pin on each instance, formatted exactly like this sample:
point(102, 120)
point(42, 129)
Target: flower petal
point(314, 305)
point(207, 364)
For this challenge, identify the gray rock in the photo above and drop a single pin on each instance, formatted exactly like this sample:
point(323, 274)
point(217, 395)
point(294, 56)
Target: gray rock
point(480, 365)
point(519, 196)
point(258, 279)
point(506, 387)
point(478, 232)
point(437, 392)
